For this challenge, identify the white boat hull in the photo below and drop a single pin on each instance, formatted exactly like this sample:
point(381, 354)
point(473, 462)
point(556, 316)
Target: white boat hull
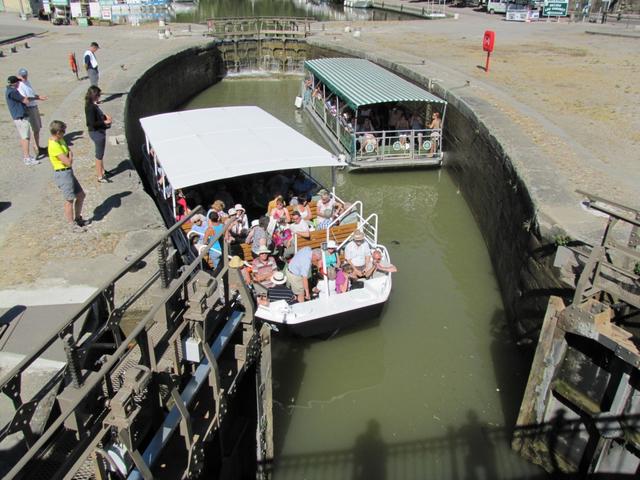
point(323, 316)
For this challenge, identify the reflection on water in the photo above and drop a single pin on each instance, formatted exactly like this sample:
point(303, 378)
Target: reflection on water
point(430, 389)
point(324, 11)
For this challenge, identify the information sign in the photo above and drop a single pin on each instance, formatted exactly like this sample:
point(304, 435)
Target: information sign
point(555, 8)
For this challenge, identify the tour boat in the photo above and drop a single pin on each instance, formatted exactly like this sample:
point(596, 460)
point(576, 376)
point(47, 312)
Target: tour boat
point(359, 107)
point(196, 151)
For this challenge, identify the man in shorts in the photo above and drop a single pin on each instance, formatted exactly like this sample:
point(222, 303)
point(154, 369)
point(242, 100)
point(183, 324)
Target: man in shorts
point(299, 271)
point(62, 160)
point(18, 109)
point(27, 91)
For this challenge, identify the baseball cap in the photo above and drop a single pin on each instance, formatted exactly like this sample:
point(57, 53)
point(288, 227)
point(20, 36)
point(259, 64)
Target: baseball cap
point(12, 79)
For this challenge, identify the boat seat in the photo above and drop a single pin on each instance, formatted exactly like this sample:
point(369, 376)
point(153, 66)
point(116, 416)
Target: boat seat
point(338, 234)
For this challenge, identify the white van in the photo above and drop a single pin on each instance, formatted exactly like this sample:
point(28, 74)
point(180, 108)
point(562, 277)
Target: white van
point(497, 6)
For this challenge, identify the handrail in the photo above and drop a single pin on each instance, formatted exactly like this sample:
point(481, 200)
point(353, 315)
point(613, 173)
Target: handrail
point(28, 360)
point(93, 380)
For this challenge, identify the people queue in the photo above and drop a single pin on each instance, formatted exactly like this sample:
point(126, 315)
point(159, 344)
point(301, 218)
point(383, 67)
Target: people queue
point(22, 102)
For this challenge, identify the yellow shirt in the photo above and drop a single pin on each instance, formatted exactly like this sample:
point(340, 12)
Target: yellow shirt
point(56, 148)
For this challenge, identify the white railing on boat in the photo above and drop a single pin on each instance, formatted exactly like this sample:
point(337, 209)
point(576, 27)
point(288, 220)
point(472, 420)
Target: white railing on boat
point(395, 144)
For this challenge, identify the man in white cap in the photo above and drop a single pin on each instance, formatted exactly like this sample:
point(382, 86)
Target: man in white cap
point(27, 91)
point(17, 105)
point(358, 254)
point(279, 289)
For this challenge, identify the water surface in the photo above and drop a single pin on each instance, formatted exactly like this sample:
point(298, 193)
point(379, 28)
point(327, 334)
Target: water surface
point(430, 389)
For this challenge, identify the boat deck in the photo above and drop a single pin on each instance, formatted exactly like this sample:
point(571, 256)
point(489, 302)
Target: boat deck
point(371, 163)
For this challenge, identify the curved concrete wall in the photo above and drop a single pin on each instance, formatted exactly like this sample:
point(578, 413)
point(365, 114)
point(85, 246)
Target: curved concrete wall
point(168, 85)
point(521, 253)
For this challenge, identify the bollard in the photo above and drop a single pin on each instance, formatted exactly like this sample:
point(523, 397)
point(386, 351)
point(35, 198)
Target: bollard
point(26, 45)
point(1, 54)
point(14, 49)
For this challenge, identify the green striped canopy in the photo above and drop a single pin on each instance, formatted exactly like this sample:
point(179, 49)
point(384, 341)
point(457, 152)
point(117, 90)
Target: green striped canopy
point(360, 82)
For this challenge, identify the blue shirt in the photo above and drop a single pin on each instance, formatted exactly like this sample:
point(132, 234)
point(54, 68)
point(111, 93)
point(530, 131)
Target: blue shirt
point(300, 264)
point(17, 109)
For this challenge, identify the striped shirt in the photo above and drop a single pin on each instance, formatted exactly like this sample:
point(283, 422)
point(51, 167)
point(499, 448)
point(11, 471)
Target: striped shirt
point(281, 292)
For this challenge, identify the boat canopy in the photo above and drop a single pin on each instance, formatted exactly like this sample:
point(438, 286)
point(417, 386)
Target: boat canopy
point(204, 145)
point(360, 82)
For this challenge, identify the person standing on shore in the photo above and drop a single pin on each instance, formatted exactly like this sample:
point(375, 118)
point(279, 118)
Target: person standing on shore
point(26, 90)
point(97, 124)
point(62, 161)
point(91, 63)
point(18, 109)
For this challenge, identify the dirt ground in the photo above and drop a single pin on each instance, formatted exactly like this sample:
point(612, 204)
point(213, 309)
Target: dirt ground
point(572, 93)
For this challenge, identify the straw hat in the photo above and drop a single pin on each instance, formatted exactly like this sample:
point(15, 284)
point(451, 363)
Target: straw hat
point(278, 278)
point(236, 262)
point(358, 235)
point(331, 244)
point(263, 249)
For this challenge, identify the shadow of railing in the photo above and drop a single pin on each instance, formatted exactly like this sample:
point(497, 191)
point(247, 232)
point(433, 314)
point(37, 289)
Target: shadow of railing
point(473, 451)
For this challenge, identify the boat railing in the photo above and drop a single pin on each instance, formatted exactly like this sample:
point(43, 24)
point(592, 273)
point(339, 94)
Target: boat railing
point(390, 144)
point(369, 227)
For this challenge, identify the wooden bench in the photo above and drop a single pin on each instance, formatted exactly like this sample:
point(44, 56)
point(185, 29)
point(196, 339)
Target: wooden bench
point(338, 234)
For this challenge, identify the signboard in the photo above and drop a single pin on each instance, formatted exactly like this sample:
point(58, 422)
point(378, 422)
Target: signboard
point(555, 8)
point(105, 13)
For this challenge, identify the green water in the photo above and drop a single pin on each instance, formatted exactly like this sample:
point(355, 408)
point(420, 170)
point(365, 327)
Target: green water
point(430, 389)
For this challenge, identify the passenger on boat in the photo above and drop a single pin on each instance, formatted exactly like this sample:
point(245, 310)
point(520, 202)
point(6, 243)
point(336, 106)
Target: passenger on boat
point(258, 236)
point(262, 268)
point(326, 284)
point(279, 211)
point(416, 126)
point(358, 254)
point(218, 207)
point(299, 271)
point(343, 274)
point(378, 264)
point(368, 141)
point(325, 202)
point(199, 225)
point(241, 217)
point(436, 123)
point(324, 219)
point(299, 227)
point(215, 228)
point(303, 208)
point(402, 125)
point(279, 290)
point(331, 254)
point(281, 237)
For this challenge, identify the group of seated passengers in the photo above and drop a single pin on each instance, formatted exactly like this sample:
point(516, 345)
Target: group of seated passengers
point(306, 276)
point(276, 229)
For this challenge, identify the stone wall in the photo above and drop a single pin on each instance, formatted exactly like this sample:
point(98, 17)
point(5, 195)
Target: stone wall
point(521, 250)
point(167, 86)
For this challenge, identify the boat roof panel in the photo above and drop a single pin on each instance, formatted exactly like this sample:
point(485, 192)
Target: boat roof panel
point(204, 145)
point(361, 82)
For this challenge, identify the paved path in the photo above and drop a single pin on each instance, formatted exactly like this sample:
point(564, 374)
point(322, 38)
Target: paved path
point(39, 255)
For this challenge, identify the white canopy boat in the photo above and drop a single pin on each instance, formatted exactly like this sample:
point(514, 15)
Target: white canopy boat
point(195, 147)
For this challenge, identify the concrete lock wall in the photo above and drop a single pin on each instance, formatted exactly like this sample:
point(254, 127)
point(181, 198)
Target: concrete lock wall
point(165, 87)
point(521, 253)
